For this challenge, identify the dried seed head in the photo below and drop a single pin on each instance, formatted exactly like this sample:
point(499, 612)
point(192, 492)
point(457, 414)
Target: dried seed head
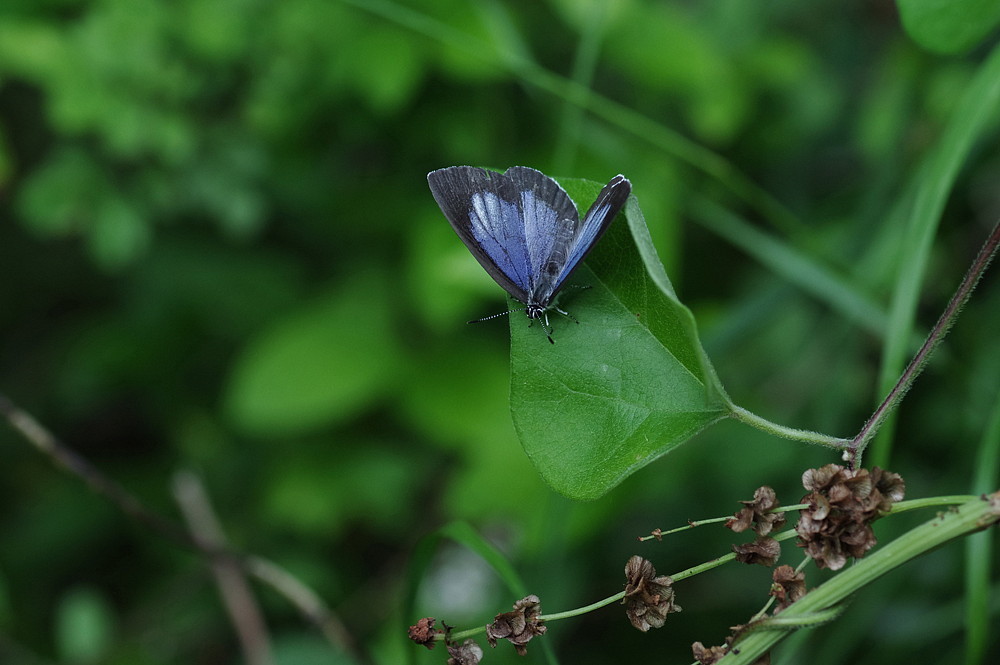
point(708, 655)
point(788, 586)
point(757, 513)
point(842, 505)
point(648, 598)
point(469, 653)
point(518, 626)
point(423, 632)
point(764, 551)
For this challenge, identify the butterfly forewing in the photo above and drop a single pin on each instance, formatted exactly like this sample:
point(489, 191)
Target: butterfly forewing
point(484, 209)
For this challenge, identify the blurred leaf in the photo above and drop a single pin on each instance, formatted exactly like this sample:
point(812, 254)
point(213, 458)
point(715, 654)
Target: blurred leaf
point(63, 195)
point(320, 490)
point(217, 30)
point(581, 13)
point(444, 277)
point(477, 376)
point(225, 185)
point(227, 291)
point(307, 649)
point(393, 68)
point(445, 374)
point(627, 385)
point(689, 63)
point(318, 365)
point(84, 625)
point(119, 234)
point(949, 26)
point(29, 48)
point(804, 271)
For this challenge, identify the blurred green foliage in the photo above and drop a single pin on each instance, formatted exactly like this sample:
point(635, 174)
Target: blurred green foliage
point(219, 254)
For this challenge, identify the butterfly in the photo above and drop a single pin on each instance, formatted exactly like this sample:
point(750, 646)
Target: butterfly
point(524, 229)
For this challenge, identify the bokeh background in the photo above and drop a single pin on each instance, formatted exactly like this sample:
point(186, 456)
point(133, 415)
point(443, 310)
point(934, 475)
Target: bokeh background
point(219, 257)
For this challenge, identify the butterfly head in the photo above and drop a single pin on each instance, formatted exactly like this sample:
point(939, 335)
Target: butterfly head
point(535, 311)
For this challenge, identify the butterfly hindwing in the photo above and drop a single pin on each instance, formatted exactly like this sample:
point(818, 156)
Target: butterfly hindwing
point(597, 220)
point(550, 224)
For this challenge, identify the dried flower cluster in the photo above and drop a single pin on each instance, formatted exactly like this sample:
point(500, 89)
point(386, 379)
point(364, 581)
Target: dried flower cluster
point(842, 505)
point(423, 632)
point(518, 626)
point(788, 586)
point(756, 514)
point(648, 598)
point(763, 551)
point(708, 655)
point(469, 653)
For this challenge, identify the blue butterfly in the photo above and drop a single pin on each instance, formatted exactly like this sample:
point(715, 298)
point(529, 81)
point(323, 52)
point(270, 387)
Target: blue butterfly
point(524, 229)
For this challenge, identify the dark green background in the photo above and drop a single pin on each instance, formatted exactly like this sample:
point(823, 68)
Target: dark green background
point(219, 254)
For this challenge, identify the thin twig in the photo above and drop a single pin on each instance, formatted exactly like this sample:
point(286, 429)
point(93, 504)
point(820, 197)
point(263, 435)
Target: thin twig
point(64, 457)
point(306, 601)
point(229, 575)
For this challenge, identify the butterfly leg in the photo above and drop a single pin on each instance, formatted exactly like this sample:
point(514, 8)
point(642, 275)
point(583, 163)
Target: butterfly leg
point(567, 315)
point(555, 304)
point(548, 329)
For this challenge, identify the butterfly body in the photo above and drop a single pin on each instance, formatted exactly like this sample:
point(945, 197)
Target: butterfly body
point(523, 228)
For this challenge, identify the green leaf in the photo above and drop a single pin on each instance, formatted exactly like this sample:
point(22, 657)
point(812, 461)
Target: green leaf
point(318, 365)
point(627, 385)
point(307, 649)
point(949, 26)
point(62, 196)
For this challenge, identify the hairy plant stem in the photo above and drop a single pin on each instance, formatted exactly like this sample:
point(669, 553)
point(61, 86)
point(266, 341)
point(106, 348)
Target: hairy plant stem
point(856, 445)
point(919, 361)
point(808, 436)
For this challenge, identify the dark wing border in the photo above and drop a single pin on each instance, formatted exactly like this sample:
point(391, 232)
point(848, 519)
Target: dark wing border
point(614, 195)
point(452, 188)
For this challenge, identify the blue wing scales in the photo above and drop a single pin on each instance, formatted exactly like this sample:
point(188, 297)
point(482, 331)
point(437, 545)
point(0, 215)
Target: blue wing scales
point(484, 209)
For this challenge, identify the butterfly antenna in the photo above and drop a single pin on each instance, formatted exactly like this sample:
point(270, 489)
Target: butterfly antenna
point(497, 316)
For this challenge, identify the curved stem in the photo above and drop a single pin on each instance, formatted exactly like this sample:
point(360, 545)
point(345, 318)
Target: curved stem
point(807, 436)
